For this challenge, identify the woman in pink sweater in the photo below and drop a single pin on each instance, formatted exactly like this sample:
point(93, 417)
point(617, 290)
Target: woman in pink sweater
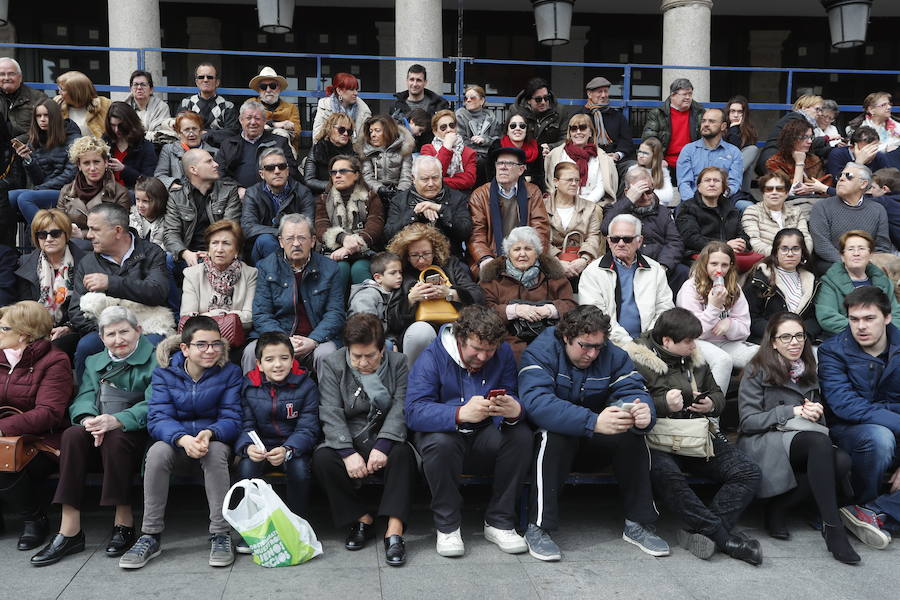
point(714, 296)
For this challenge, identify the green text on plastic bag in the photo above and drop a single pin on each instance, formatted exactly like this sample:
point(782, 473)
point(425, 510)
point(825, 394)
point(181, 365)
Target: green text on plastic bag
point(276, 542)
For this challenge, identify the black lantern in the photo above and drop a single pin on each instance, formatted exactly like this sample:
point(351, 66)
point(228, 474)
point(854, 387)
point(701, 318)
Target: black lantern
point(848, 20)
point(553, 19)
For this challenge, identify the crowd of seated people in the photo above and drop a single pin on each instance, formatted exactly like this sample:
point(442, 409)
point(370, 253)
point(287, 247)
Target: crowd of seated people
point(436, 291)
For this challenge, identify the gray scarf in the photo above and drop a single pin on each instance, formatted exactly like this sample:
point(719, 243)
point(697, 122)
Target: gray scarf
point(372, 384)
point(528, 277)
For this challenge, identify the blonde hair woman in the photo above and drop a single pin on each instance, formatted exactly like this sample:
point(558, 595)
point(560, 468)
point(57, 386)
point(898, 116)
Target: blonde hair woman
point(79, 102)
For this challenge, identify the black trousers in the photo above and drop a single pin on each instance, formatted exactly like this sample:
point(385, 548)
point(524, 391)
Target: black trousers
point(20, 492)
point(737, 475)
point(119, 457)
point(298, 479)
point(504, 452)
point(556, 454)
point(343, 491)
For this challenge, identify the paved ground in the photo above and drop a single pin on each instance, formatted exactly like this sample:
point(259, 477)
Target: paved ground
point(596, 564)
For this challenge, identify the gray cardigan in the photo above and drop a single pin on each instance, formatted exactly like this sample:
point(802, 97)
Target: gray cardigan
point(762, 408)
point(344, 407)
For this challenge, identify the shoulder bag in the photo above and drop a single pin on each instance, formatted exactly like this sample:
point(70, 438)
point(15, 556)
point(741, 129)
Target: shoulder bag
point(16, 451)
point(683, 437)
point(526, 330)
point(111, 399)
point(438, 311)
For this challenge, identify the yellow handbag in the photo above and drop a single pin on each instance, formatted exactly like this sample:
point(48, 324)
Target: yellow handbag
point(437, 311)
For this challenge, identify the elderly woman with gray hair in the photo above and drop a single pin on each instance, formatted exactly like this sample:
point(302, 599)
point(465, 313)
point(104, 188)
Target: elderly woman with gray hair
point(109, 415)
point(527, 288)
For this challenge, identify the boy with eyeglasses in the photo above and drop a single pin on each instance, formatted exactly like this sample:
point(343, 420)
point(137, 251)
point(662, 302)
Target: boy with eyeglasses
point(194, 414)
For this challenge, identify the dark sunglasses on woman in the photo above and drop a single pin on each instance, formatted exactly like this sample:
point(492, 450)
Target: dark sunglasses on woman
point(54, 233)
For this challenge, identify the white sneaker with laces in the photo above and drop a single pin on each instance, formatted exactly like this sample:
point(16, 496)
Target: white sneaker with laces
point(506, 539)
point(450, 544)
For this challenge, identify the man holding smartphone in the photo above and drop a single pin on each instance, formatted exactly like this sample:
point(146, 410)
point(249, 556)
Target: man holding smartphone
point(591, 407)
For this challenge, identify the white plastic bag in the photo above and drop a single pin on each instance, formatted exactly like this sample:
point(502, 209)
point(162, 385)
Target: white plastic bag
point(277, 537)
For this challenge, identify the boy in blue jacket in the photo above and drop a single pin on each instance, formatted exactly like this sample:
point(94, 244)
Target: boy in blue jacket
point(195, 416)
point(462, 408)
point(281, 403)
point(592, 406)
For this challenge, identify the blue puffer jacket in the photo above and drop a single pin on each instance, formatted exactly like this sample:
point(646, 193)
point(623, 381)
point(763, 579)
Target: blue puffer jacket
point(283, 414)
point(439, 384)
point(322, 292)
point(856, 387)
point(51, 169)
point(562, 398)
point(181, 406)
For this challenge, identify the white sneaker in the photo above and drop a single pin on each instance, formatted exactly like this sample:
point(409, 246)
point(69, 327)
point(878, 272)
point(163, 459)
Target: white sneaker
point(450, 544)
point(506, 539)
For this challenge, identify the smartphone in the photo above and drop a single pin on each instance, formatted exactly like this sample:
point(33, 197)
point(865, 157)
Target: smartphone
point(627, 406)
point(435, 279)
point(16, 143)
point(494, 393)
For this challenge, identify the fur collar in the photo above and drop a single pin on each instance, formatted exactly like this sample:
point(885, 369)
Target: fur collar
point(550, 267)
point(643, 354)
point(404, 144)
point(172, 344)
point(345, 217)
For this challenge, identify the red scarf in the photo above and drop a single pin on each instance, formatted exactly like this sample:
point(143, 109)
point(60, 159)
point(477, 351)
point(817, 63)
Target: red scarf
point(581, 155)
point(530, 147)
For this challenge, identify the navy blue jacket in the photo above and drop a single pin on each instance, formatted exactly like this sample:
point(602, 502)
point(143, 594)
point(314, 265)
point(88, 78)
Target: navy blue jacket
point(140, 160)
point(562, 398)
point(856, 387)
point(321, 291)
point(181, 406)
point(283, 414)
point(439, 384)
point(839, 157)
point(51, 169)
point(891, 204)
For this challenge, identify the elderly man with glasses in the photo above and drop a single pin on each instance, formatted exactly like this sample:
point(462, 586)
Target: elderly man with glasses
point(17, 101)
point(220, 117)
point(850, 209)
point(282, 117)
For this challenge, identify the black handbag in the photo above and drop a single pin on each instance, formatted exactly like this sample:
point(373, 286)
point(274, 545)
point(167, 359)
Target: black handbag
point(526, 330)
point(365, 439)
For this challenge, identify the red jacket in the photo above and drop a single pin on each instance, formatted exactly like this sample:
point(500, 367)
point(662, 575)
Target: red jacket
point(465, 179)
point(40, 385)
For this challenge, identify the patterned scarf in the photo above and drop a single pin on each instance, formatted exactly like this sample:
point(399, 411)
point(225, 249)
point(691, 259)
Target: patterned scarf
point(338, 107)
point(455, 162)
point(528, 278)
point(55, 285)
point(222, 283)
point(582, 155)
point(796, 369)
point(597, 112)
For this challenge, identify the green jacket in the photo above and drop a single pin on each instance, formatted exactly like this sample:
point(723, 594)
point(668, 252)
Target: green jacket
point(142, 361)
point(836, 284)
point(665, 371)
point(659, 124)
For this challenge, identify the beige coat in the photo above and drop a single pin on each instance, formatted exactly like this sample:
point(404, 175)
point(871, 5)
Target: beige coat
point(761, 228)
point(585, 220)
point(197, 293)
point(601, 169)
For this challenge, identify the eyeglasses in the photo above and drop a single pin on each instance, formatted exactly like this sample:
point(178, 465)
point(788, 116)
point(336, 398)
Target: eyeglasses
point(847, 175)
point(295, 239)
point(883, 105)
point(806, 138)
point(590, 347)
point(518, 125)
point(272, 85)
point(217, 346)
point(446, 126)
point(140, 84)
point(334, 172)
point(541, 99)
point(472, 98)
point(189, 130)
point(787, 338)
point(421, 256)
point(790, 250)
point(574, 128)
point(774, 188)
point(344, 130)
point(202, 77)
point(54, 233)
point(507, 164)
point(615, 239)
point(279, 166)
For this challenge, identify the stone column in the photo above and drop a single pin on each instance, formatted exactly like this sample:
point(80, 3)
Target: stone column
point(419, 29)
point(686, 41)
point(568, 82)
point(133, 24)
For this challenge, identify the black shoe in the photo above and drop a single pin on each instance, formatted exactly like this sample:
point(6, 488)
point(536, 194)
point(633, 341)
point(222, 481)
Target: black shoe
point(775, 525)
point(59, 547)
point(121, 539)
point(838, 544)
point(743, 548)
point(394, 551)
point(359, 534)
point(34, 533)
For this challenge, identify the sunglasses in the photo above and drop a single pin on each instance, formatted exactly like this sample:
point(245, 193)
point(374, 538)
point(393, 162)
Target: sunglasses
point(344, 130)
point(774, 188)
point(199, 77)
point(280, 166)
point(446, 126)
point(54, 233)
point(541, 99)
point(847, 175)
point(518, 125)
point(574, 128)
point(615, 239)
point(272, 85)
point(334, 172)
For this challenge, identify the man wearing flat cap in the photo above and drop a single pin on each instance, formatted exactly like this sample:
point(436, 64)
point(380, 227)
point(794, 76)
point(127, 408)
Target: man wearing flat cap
point(282, 117)
point(501, 205)
point(613, 130)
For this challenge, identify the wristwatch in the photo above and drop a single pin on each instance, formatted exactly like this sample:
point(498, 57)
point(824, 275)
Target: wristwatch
point(288, 454)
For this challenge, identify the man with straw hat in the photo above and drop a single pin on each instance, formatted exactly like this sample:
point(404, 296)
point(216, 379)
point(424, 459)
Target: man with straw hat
point(282, 117)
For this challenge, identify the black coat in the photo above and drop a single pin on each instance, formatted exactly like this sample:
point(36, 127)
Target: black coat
point(765, 300)
point(7, 274)
point(662, 242)
point(140, 160)
point(315, 171)
point(259, 216)
point(27, 285)
point(51, 169)
point(454, 219)
point(618, 128)
point(699, 224)
point(230, 151)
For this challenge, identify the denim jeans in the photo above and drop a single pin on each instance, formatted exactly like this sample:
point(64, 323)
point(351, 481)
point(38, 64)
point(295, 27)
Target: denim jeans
point(872, 449)
point(263, 246)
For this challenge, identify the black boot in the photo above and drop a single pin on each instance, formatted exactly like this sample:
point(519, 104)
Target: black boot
point(838, 544)
point(743, 548)
point(34, 532)
point(775, 522)
point(58, 548)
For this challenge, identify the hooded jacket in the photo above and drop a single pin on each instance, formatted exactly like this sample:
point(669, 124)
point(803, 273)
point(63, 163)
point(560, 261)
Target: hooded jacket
point(561, 398)
point(368, 297)
point(545, 127)
point(284, 413)
point(440, 384)
point(389, 167)
point(181, 406)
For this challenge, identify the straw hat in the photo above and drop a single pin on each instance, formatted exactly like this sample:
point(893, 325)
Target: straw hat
point(268, 73)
